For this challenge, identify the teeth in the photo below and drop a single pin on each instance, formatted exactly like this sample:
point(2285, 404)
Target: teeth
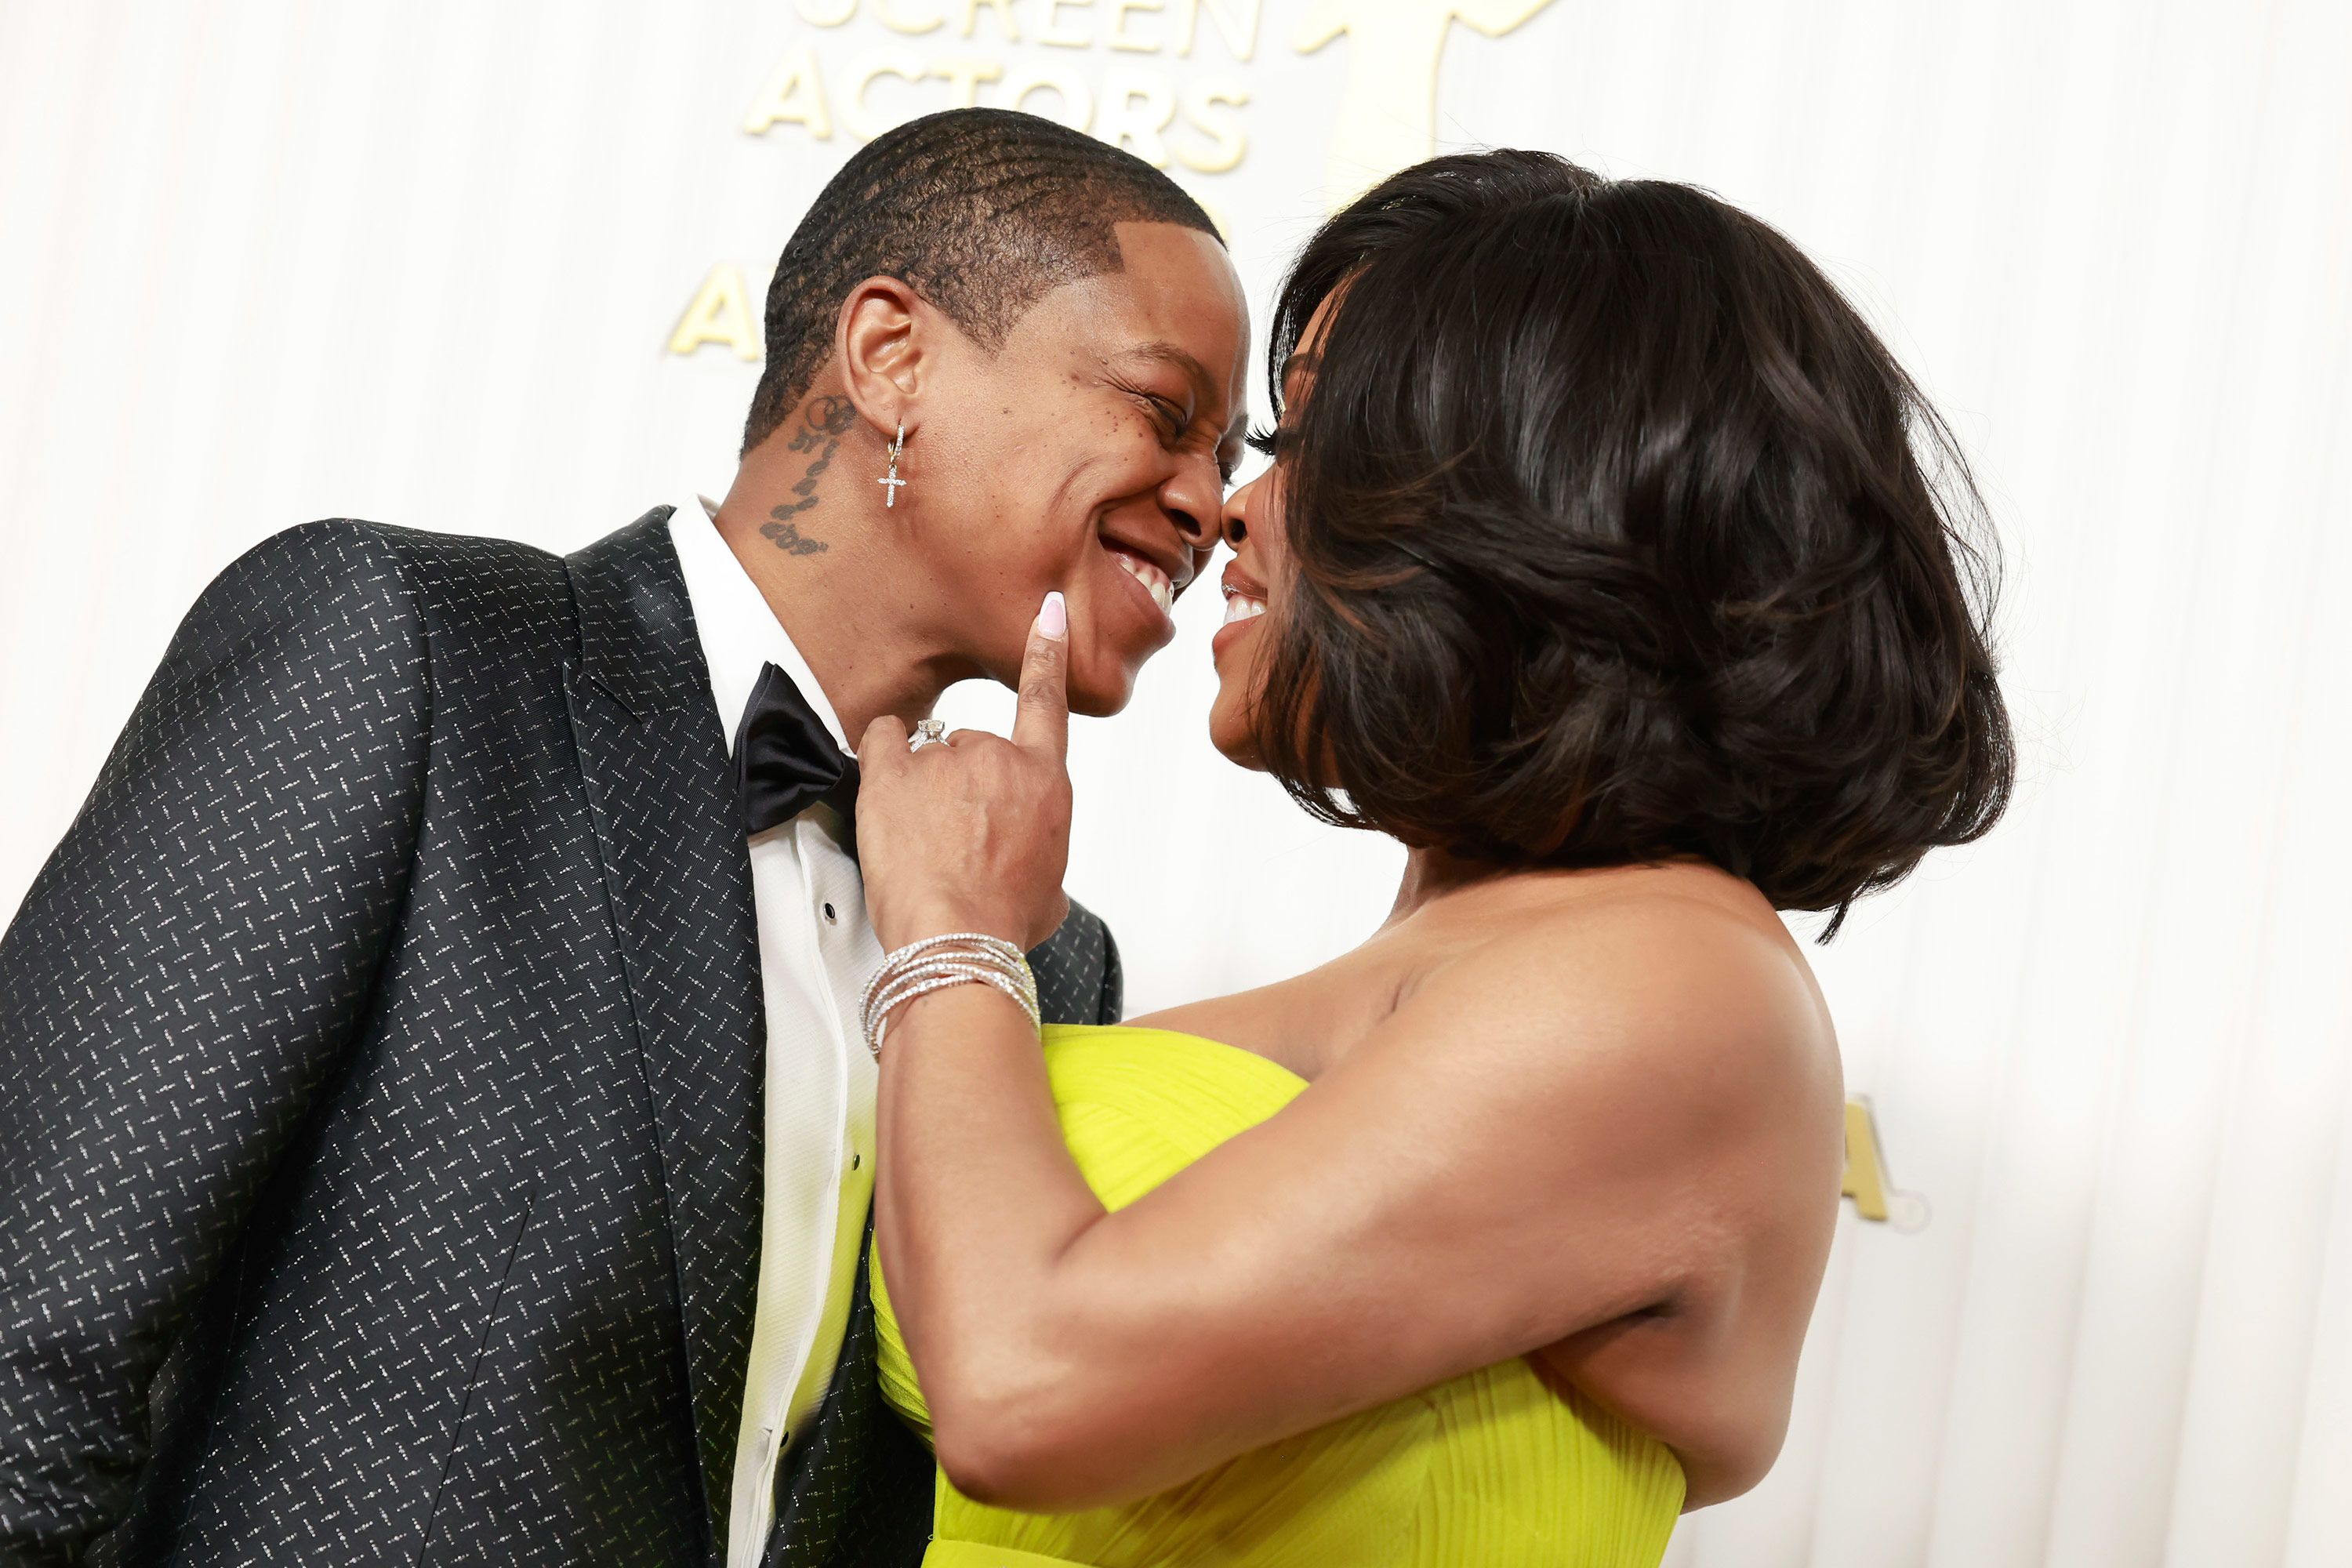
point(1241, 607)
point(1163, 592)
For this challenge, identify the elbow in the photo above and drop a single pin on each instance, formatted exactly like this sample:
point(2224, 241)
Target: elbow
point(1709, 1479)
point(1008, 1456)
point(1036, 1444)
point(1755, 1461)
point(1742, 1454)
point(1064, 1402)
point(994, 1465)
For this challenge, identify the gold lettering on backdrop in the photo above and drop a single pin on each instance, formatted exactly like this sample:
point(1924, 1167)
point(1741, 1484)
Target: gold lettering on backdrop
point(964, 77)
point(1076, 109)
point(1118, 37)
point(1050, 29)
point(1004, 9)
point(1865, 1171)
point(794, 95)
point(1388, 107)
point(1137, 106)
point(861, 121)
point(1236, 20)
point(1197, 122)
point(887, 10)
point(1200, 101)
point(720, 312)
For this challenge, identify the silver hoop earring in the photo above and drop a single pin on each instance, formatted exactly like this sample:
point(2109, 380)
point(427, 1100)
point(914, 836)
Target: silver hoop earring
point(890, 482)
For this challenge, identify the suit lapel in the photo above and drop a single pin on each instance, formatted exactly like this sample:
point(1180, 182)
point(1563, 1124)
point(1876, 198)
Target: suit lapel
point(678, 883)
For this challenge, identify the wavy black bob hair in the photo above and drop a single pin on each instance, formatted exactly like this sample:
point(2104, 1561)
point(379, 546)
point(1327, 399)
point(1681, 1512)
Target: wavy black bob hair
point(1618, 537)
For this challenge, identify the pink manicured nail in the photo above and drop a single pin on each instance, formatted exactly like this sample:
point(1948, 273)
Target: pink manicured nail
point(1054, 619)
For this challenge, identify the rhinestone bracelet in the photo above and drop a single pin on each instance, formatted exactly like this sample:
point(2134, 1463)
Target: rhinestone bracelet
point(923, 979)
point(935, 963)
point(978, 948)
point(903, 984)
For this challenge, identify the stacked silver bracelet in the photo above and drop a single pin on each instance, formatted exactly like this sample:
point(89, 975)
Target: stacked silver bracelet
point(935, 963)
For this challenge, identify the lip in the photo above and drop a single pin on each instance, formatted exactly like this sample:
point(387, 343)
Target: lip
point(1236, 582)
point(1162, 620)
point(1174, 560)
point(1227, 636)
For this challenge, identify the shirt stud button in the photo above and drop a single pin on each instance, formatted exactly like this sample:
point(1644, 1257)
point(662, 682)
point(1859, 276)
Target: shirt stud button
point(854, 1159)
point(830, 916)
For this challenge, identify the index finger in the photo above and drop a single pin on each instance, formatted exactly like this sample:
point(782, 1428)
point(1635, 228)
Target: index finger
point(1042, 722)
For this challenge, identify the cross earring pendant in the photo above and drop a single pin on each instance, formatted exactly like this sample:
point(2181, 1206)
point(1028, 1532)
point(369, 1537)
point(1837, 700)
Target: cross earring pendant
point(890, 482)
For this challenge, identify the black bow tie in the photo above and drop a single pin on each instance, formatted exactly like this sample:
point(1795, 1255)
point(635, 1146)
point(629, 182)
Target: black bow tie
point(785, 761)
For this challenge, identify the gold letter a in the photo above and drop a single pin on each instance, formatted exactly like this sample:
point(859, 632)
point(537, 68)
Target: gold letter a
point(719, 313)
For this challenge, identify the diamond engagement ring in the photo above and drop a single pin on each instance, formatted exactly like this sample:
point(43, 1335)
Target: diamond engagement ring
point(927, 733)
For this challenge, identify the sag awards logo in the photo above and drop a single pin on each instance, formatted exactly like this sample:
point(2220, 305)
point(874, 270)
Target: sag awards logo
point(1167, 79)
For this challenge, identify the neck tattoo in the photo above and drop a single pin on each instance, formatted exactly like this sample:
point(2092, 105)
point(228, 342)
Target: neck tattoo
point(822, 423)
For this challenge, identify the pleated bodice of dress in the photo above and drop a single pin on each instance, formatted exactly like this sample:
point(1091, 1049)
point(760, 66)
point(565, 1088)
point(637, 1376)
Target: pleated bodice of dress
point(1492, 1469)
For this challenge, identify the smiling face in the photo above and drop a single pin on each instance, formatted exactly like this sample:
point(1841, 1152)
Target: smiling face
point(1087, 453)
point(1258, 576)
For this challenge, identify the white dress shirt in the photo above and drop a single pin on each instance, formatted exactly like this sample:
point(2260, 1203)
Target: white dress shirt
point(816, 950)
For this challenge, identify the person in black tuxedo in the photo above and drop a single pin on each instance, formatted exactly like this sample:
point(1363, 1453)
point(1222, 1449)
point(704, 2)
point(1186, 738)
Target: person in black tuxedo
point(438, 1124)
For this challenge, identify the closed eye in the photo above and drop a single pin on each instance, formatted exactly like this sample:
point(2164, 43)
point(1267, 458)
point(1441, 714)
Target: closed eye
point(1271, 443)
point(1173, 420)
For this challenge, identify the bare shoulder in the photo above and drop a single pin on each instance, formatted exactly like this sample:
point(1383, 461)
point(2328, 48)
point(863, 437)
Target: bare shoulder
point(1672, 1026)
point(1683, 977)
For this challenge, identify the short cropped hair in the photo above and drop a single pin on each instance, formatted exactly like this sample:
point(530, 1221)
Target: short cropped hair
point(1618, 537)
point(981, 211)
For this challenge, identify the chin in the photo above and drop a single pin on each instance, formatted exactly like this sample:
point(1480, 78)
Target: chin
point(1101, 700)
point(1233, 741)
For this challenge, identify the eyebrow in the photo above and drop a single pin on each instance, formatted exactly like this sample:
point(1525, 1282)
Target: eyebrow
point(1166, 353)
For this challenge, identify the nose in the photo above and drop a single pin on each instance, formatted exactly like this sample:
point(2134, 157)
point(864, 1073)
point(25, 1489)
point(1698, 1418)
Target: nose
point(1195, 499)
point(1232, 521)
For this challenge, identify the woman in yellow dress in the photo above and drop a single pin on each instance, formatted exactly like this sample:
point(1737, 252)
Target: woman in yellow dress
point(1598, 562)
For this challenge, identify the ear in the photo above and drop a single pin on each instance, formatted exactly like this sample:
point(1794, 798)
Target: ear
point(882, 343)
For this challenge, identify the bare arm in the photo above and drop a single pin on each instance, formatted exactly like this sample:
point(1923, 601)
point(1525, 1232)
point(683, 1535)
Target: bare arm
point(1553, 1133)
point(1518, 1155)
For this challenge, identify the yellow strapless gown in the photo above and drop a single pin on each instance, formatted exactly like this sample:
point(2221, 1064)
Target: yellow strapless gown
point(1490, 1470)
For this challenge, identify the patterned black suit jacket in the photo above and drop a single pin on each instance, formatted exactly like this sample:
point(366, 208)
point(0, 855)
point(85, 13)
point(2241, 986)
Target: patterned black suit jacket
point(380, 1092)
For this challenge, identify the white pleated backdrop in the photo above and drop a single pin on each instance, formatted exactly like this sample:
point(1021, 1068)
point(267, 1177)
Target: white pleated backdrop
point(266, 261)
